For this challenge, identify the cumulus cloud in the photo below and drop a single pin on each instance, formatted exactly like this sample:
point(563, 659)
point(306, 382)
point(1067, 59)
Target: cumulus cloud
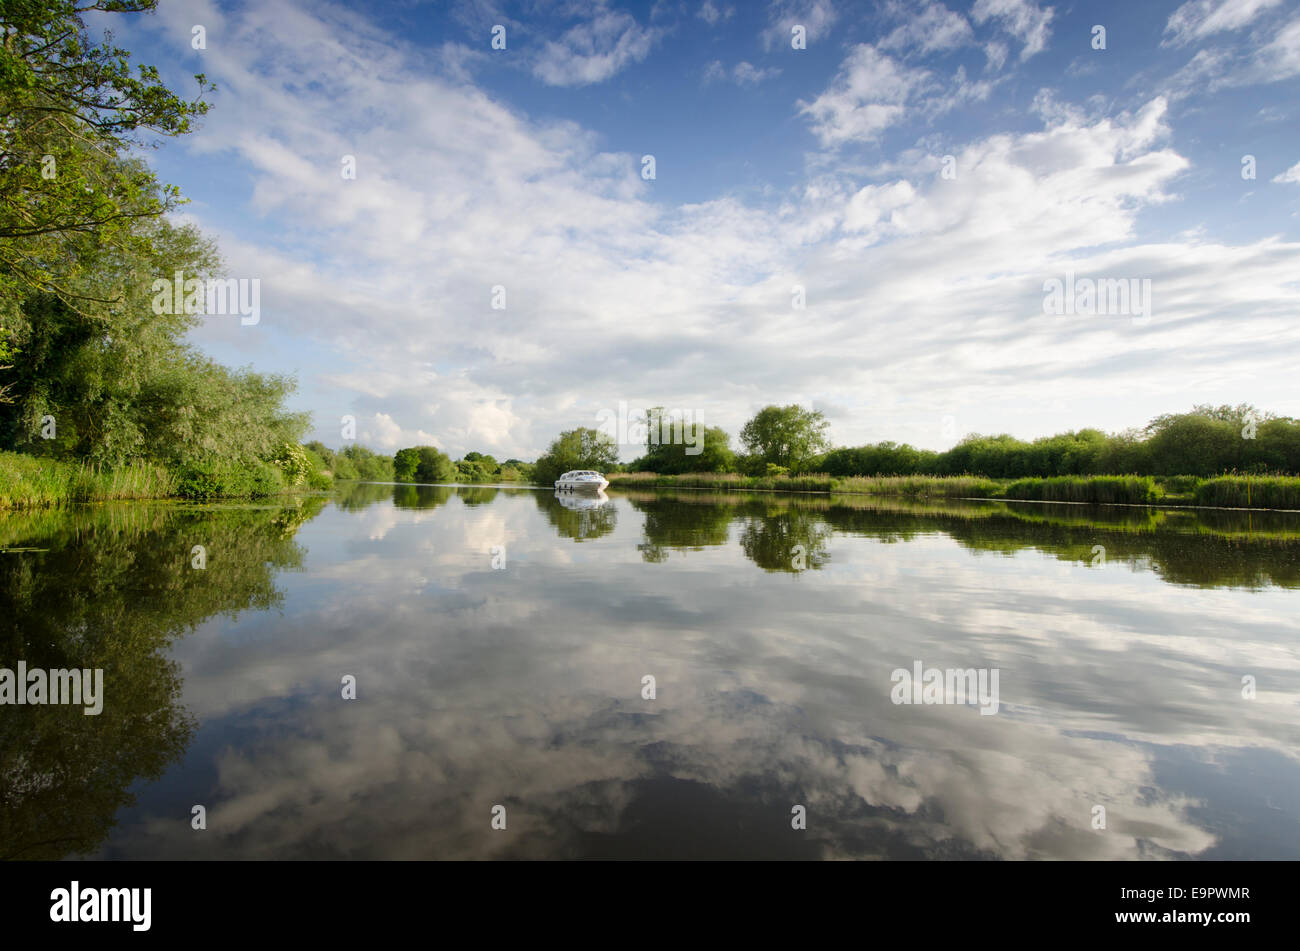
point(867, 96)
point(924, 294)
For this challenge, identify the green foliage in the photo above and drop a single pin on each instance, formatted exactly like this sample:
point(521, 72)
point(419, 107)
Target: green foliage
point(515, 470)
point(367, 465)
point(477, 467)
point(28, 482)
point(886, 458)
point(70, 109)
point(405, 462)
point(1277, 492)
point(673, 446)
point(582, 448)
point(1204, 442)
point(426, 464)
point(223, 479)
point(293, 463)
point(1099, 489)
point(788, 436)
point(434, 466)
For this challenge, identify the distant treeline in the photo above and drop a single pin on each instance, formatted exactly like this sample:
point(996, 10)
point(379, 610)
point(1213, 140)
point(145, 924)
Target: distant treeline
point(352, 463)
point(1205, 442)
point(427, 464)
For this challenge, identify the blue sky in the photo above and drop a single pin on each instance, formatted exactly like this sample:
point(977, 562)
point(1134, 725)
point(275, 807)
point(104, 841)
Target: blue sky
point(820, 167)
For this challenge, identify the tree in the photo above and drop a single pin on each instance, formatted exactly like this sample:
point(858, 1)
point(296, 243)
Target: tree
point(70, 108)
point(423, 464)
point(435, 466)
point(124, 384)
point(370, 466)
point(581, 448)
point(787, 436)
point(675, 446)
point(405, 462)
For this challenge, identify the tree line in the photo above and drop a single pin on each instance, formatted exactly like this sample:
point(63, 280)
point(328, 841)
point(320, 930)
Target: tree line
point(778, 440)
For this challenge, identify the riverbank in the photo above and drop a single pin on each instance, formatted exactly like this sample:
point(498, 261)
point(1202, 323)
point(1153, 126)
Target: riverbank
point(1229, 491)
point(32, 482)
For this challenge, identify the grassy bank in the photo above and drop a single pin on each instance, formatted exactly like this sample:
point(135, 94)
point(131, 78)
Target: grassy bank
point(1281, 492)
point(1132, 490)
point(906, 486)
point(28, 482)
point(728, 480)
point(1269, 492)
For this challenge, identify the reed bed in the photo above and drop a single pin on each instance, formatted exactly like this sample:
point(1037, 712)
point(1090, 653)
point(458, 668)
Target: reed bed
point(816, 482)
point(1096, 489)
point(1265, 492)
point(920, 487)
point(31, 482)
point(1110, 490)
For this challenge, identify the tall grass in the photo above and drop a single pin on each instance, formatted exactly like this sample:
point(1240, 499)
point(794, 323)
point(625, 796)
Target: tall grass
point(920, 487)
point(31, 482)
point(1265, 492)
point(727, 480)
point(1099, 489)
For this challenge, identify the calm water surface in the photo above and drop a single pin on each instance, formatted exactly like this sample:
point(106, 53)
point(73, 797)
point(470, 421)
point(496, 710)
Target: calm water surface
point(770, 624)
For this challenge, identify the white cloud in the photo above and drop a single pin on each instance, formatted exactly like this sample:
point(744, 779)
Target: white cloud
point(1280, 58)
point(815, 16)
point(931, 27)
point(1214, 68)
point(712, 14)
point(742, 74)
point(1023, 19)
point(1292, 174)
point(747, 74)
point(923, 293)
point(594, 51)
point(996, 54)
point(1198, 19)
point(866, 97)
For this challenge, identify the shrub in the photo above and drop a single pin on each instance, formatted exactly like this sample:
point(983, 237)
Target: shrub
point(1098, 489)
point(1278, 492)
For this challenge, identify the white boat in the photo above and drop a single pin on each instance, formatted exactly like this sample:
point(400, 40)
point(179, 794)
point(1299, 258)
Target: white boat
point(581, 480)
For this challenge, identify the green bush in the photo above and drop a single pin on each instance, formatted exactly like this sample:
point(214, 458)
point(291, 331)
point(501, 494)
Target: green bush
point(1098, 489)
point(1274, 492)
point(206, 480)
